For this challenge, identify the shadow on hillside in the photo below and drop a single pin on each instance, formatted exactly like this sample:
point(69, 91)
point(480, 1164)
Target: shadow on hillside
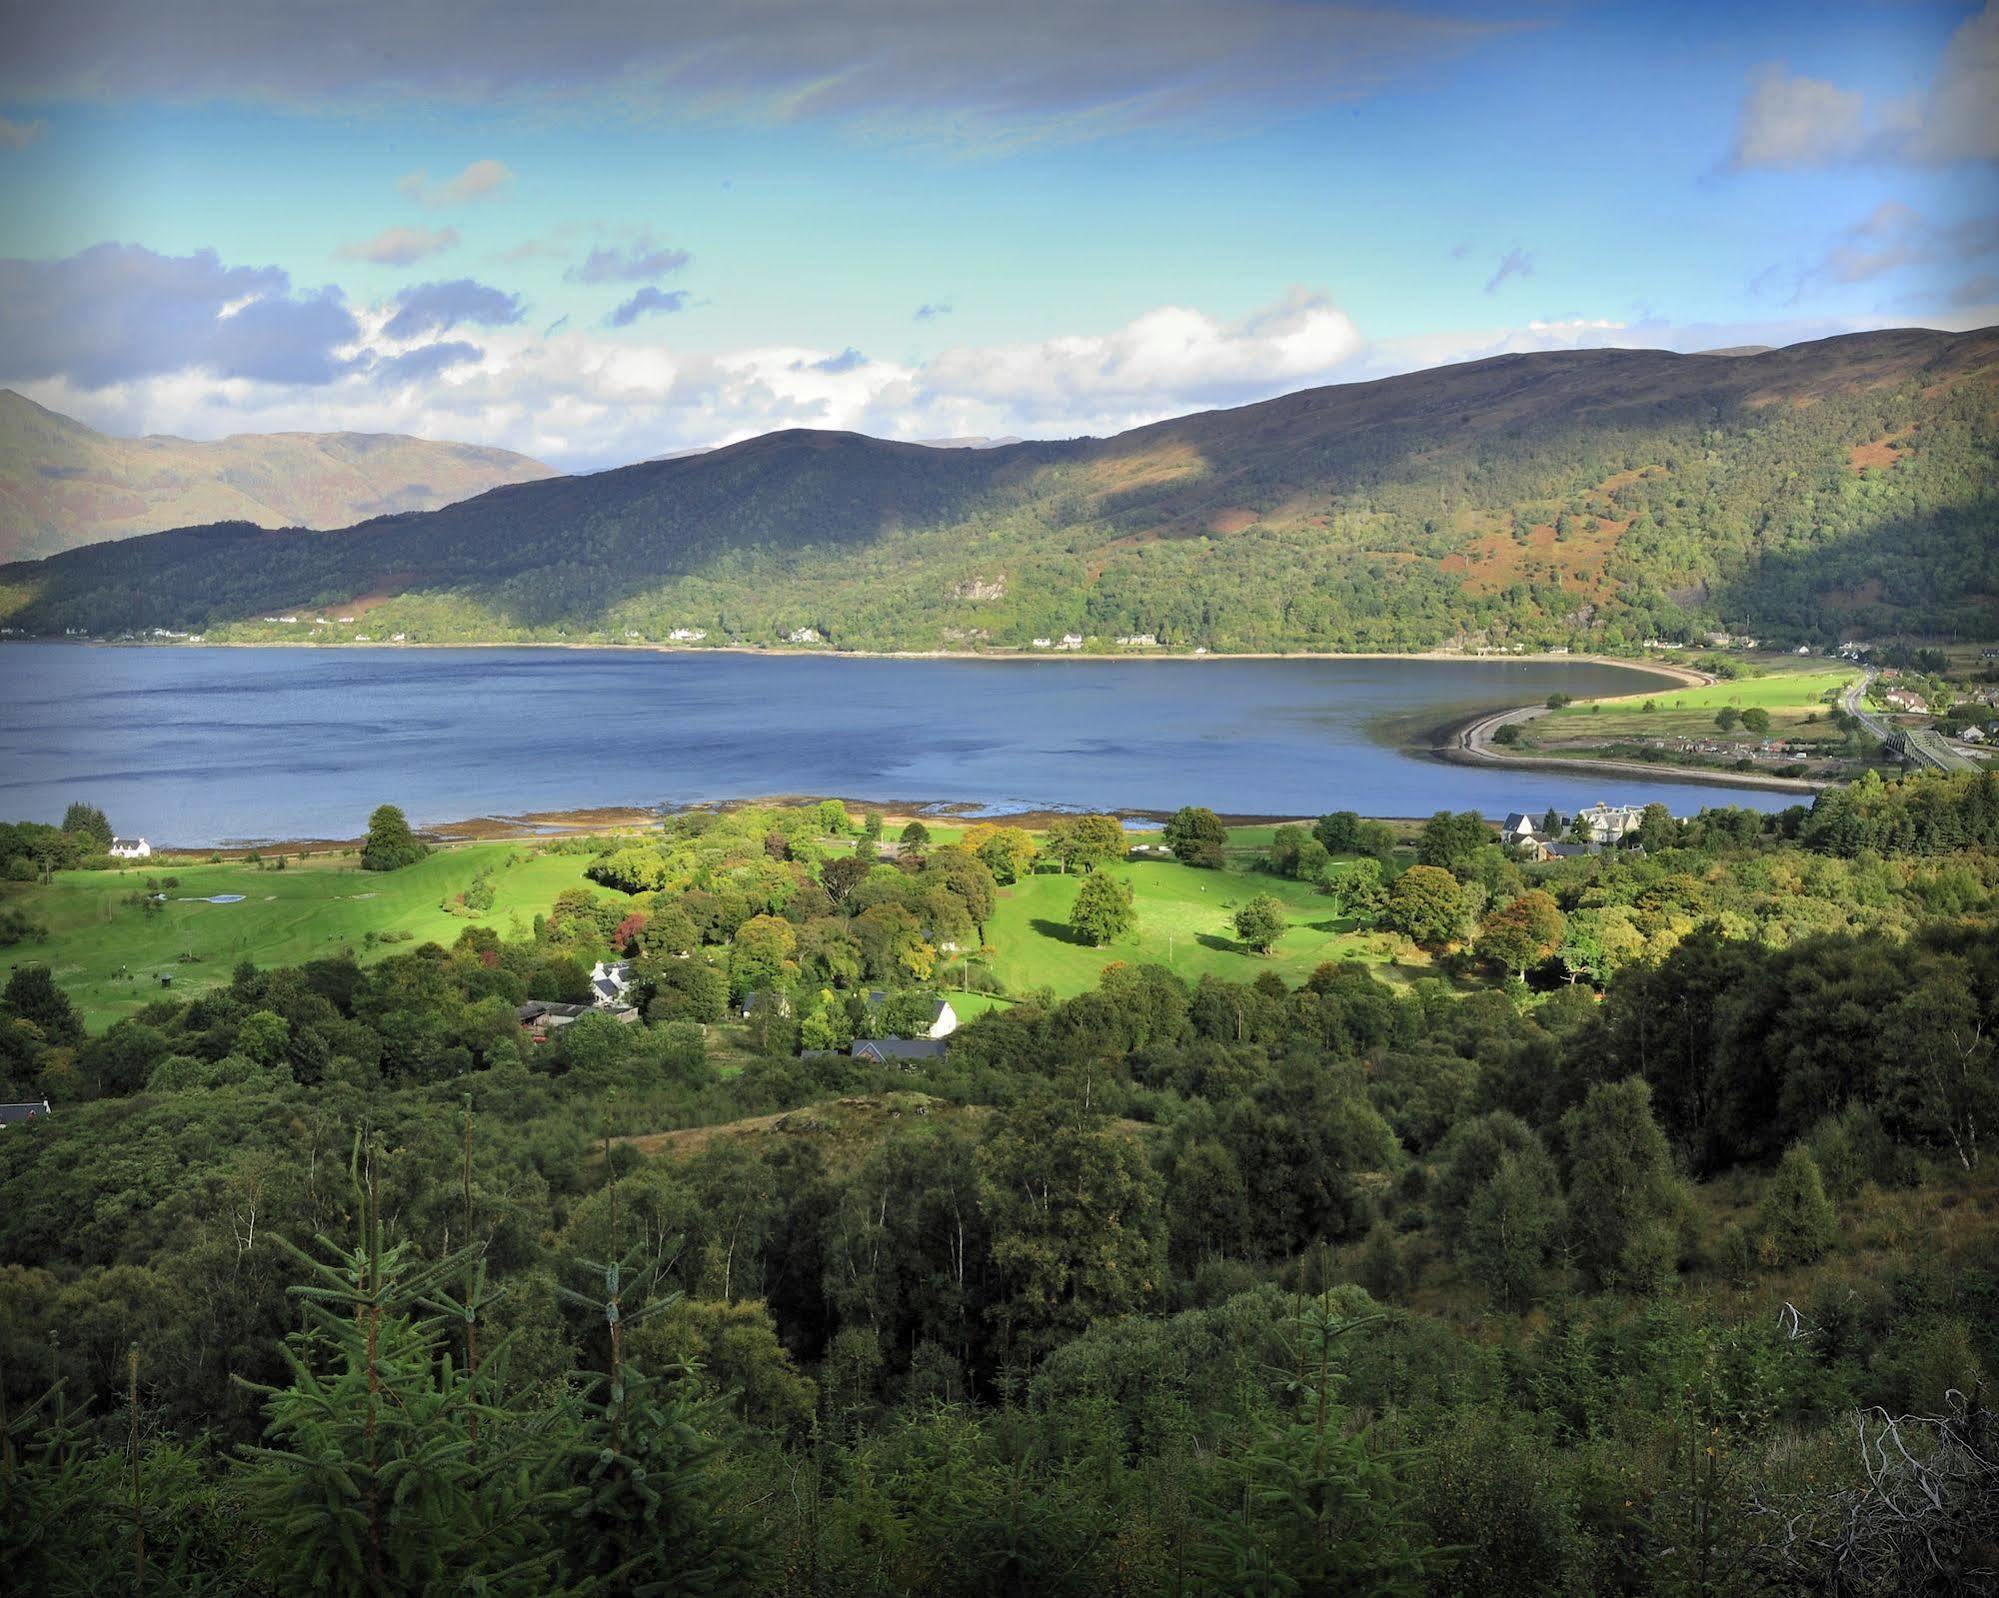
point(1061, 932)
point(1214, 940)
point(565, 552)
point(1934, 572)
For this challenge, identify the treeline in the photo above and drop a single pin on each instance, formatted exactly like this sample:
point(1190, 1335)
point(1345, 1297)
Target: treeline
point(1231, 1287)
point(1933, 814)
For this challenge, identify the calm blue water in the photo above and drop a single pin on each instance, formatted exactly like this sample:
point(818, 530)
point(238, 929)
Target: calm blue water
point(205, 746)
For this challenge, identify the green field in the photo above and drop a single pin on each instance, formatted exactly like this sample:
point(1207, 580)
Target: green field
point(1788, 692)
point(108, 954)
point(1183, 924)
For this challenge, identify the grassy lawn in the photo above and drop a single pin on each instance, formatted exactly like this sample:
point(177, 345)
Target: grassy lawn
point(1788, 692)
point(306, 912)
point(1183, 924)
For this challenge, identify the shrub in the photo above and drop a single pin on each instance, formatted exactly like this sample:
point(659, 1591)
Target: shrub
point(1795, 1218)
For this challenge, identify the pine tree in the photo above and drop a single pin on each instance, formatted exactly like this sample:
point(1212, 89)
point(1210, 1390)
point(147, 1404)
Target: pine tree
point(391, 1468)
point(1795, 1217)
point(649, 1522)
point(1316, 1507)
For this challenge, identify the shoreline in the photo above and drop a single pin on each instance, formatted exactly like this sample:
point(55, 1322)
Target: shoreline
point(1470, 743)
point(1684, 675)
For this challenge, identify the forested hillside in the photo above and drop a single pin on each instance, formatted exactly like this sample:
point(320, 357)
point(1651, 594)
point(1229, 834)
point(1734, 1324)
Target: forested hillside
point(63, 484)
point(1586, 498)
point(1672, 1269)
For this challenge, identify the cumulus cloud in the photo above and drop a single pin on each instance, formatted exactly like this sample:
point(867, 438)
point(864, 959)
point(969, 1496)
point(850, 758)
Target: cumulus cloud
point(1790, 123)
point(19, 135)
point(116, 312)
point(1170, 358)
point(1514, 263)
point(399, 246)
point(644, 260)
point(476, 182)
point(645, 303)
point(439, 307)
point(1054, 67)
point(583, 398)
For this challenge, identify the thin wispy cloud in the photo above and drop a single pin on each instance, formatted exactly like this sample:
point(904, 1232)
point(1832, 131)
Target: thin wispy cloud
point(1892, 240)
point(476, 182)
point(1045, 68)
point(1514, 263)
point(643, 260)
point(19, 135)
point(648, 302)
point(400, 246)
point(930, 313)
point(848, 360)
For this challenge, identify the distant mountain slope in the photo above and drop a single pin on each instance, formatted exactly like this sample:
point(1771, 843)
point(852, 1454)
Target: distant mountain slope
point(63, 484)
point(1581, 498)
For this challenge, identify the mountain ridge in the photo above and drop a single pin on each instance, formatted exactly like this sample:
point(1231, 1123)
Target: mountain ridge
point(1567, 499)
point(63, 484)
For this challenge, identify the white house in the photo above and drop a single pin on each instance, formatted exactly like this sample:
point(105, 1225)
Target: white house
point(609, 980)
point(129, 849)
point(687, 635)
point(1611, 823)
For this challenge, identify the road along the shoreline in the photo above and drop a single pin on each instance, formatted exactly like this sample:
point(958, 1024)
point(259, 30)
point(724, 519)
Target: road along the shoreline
point(1471, 744)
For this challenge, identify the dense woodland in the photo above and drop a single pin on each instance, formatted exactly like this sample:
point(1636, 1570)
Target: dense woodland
point(1580, 499)
point(1650, 1246)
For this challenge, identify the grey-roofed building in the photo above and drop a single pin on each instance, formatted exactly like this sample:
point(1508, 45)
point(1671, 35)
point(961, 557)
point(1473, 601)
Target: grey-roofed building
point(21, 1114)
point(879, 1051)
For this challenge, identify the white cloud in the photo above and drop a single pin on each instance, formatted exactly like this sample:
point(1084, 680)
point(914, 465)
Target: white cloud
point(399, 246)
point(476, 182)
point(1790, 123)
point(1169, 359)
point(581, 399)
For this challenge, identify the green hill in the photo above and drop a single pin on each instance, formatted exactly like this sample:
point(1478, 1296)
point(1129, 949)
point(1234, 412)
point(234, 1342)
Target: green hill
point(1587, 498)
point(63, 484)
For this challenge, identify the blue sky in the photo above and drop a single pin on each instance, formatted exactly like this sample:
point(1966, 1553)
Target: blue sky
point(636, 228)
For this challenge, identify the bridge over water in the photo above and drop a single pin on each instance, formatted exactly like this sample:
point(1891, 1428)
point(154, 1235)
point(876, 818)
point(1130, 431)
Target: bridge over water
point(1930, 751)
